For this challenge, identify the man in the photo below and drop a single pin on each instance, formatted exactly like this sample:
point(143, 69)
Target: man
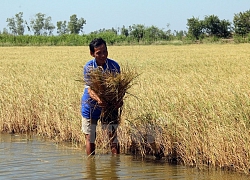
point(91, 103)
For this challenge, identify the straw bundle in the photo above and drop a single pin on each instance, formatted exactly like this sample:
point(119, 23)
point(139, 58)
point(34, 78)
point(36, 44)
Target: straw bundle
point(111, 88)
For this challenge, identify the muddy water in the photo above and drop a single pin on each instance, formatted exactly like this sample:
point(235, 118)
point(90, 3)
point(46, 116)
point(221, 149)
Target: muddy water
point(23, 157)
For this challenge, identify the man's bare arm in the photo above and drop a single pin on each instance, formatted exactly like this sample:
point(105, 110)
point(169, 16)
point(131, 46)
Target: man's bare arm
point(94, 96)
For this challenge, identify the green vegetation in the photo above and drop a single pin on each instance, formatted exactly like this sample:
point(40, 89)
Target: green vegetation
point(68, 33)
point(190, 101)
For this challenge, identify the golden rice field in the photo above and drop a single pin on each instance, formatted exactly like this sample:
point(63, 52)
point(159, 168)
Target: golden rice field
point(193, 100)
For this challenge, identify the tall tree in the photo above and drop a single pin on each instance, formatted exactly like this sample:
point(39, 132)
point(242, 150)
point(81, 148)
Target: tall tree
point(42, 25)
point(212, 25)
point(195, 27)
point(62, 27)
point(138, 31)
point(153, 33)
point(124, 31)
point(215, 27)
point(16, 24)
point(241, 23)
point(225, 28)
point(75, 25)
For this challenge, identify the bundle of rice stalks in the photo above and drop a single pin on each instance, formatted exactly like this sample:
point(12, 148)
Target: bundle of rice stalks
point(111, 88)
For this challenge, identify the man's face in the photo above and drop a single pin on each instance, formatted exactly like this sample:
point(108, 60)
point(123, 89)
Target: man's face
point(100, 54)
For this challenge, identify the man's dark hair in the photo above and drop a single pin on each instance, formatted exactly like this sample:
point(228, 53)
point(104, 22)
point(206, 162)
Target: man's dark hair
point(96, 43)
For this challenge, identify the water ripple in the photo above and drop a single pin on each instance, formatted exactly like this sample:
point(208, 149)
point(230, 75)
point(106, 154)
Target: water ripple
point(27, 158)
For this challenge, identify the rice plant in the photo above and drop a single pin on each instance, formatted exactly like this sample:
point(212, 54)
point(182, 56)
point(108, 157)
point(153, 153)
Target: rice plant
point(194, 100)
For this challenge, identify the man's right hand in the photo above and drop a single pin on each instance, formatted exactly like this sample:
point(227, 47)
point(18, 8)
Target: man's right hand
point(101, 103)
point(94, 96)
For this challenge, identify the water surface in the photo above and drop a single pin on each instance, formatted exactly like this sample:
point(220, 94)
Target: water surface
point(24, 157)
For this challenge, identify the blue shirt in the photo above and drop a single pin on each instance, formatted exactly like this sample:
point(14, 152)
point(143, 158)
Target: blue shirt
point(89, 107)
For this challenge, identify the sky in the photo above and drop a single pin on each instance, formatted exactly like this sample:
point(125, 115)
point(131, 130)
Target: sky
point(106, 14)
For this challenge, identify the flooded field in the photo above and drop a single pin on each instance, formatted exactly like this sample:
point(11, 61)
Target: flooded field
point(23, 157)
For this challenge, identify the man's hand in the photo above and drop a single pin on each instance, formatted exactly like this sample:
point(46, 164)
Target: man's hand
point(94, 96)
point(102, 103)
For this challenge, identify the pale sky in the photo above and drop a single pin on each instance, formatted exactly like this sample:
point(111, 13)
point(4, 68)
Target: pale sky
point(106, 14)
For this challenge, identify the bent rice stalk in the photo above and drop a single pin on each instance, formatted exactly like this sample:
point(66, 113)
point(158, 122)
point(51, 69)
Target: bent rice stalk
point(111, 88)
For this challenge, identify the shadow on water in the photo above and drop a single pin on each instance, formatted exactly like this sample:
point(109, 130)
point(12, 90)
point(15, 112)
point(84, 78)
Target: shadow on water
point(23, 157)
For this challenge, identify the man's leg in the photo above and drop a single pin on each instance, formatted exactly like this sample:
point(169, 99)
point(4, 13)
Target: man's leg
point(110, 130)
point(90, 146)
point(89, 129)
point(109, 125)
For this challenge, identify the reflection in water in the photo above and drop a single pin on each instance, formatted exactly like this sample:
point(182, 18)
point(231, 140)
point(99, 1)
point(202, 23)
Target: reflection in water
point(106, 166)
point(90, 168)
point(23, 157)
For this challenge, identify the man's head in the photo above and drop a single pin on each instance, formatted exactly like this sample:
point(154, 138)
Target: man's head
point(98, 50)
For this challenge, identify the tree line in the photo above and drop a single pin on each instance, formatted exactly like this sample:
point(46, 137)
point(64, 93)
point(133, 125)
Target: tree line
point(71, 32)
point(42, 25)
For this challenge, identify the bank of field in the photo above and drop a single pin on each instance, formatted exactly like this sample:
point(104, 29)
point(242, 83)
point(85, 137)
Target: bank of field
point(193, 101)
